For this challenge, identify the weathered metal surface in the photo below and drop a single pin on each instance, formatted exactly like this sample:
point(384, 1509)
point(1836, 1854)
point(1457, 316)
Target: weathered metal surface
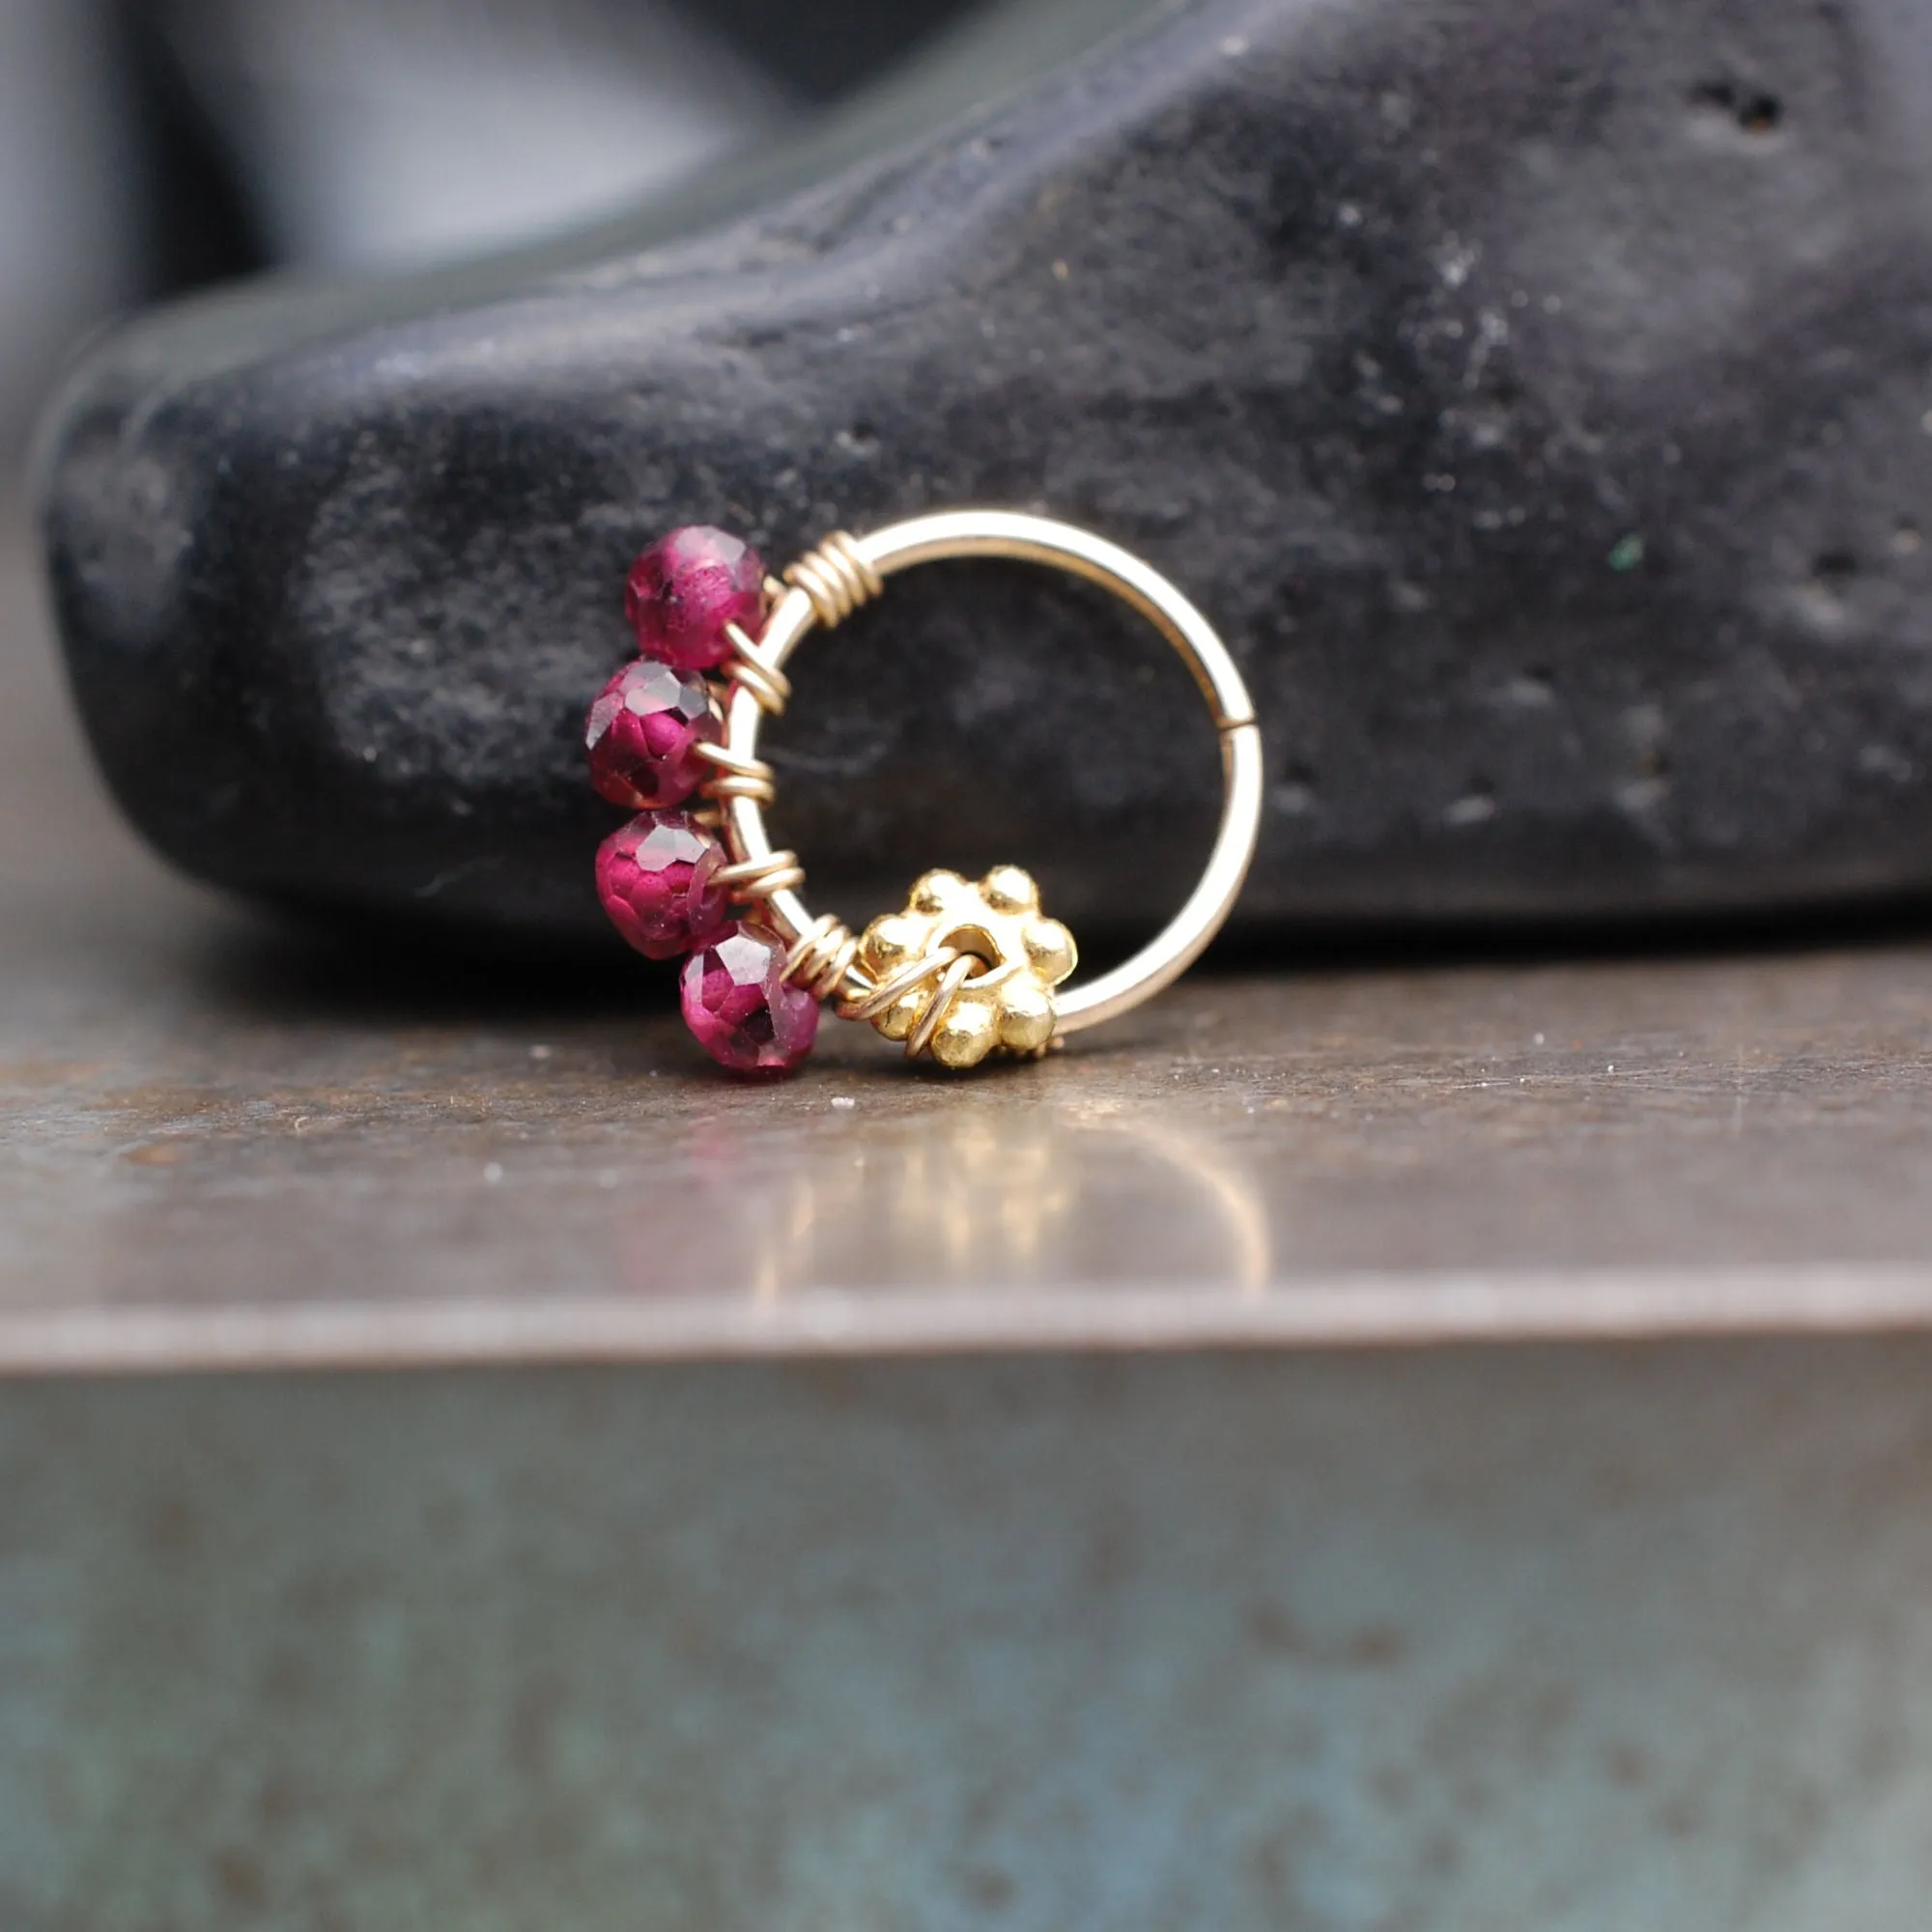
point(1464, 1641)
point(214, 1146)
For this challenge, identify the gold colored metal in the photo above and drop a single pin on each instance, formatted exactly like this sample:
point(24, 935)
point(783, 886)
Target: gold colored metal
point(837, 576)
point(762, 877)
point(825, 586)
point(888, 993)
point(748, 666)
point(967, 969)
point(738, 776)
point(821, 959)
point(968, 1038)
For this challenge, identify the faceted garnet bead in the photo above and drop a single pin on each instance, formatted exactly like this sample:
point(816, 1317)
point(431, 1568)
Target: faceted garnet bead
point(656, 879)
point(746, 1014)
point(687, 587)
point(643, 733)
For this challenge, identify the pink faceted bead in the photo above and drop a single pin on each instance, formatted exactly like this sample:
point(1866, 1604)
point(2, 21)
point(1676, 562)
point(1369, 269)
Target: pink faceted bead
point(643, 732)
point(687, 587)
point(656, 879)
point(746, 1014)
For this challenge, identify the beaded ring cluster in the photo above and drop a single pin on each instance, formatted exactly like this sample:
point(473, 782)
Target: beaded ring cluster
point(651, 736)
point(970, 968)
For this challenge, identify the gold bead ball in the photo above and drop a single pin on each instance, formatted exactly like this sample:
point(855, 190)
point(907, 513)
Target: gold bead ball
point(1009, 889)
point(1050, 949)
point(967, 1033)
point(937, 890)
point(892, 941)
point(1025, 1015)
point(899, 1018)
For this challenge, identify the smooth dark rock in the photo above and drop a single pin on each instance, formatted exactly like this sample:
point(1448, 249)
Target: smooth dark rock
point(1537, 393)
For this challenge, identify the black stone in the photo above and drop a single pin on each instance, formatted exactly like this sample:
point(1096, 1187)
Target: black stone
point(1536, 392)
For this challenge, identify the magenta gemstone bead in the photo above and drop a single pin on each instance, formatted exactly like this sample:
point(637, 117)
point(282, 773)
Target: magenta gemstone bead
point(657, 880)
point(643, 733)
point(687, 587)
point(746, 1014)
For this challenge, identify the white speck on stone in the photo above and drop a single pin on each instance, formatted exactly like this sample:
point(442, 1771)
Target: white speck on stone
point(540, 1052)
point(1537, 1039)
point(1234, 47)
point(492, 1174)
point(845, 1103)
point(1455, 259)
point(1883, 761)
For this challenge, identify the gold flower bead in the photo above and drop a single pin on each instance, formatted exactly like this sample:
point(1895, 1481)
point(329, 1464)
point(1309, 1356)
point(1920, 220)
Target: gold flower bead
point(1006, 1004)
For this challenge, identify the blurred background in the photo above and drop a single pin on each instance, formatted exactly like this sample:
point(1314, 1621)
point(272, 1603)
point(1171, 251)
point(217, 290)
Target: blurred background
point(153, 147)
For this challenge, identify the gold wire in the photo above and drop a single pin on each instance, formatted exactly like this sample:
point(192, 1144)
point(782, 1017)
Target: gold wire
point(760, 879)
point(837, 577)
point(822, 957)
point(940, 1004)
point(889, 992)
point(733, 786)
point(738, 775)
point(766, 682)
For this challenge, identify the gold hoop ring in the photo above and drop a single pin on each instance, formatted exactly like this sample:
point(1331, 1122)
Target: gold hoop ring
point(825, 586)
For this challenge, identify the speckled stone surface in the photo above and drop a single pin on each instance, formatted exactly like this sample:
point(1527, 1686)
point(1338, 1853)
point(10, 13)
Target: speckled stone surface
point(1535, 392)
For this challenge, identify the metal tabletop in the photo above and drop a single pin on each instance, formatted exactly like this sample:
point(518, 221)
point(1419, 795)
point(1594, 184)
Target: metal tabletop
point(219, 1145)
